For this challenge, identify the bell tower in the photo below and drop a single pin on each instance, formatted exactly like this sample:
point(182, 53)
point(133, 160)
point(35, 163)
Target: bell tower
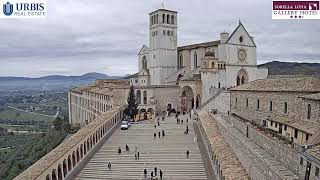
point(163, 45)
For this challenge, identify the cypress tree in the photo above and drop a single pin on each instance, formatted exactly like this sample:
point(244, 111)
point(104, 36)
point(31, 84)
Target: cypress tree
point(132, 108)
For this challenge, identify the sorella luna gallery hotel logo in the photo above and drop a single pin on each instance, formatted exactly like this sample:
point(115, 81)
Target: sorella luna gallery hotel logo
point(24, 9)
point(295, 10)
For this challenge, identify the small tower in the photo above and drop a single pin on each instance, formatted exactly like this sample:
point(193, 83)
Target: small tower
point(163, 45)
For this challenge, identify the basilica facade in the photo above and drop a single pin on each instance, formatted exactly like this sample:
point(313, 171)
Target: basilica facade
point(193, 76)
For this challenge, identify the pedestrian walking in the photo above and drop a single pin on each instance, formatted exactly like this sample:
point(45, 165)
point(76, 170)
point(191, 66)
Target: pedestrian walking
point(160, 174)
point(158, 123)
point(109, 166)
point(181, 121)
point(154, 135)
point(177, 121)
point(188, 153)
point(127, 147)
point(159, 134)
point(138, 154)
point(145, 173)
point(135, 156)
point(119, 150)
point(155, 171)
point(187, 120)
point(162, 118)
point(155, 126)
point(151, 174)
point(163, 133)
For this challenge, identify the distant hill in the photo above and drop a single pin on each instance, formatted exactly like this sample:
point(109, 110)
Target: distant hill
point(292, 68)
point(51, 82)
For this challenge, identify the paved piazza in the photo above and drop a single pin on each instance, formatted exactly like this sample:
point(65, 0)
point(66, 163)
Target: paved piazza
point(167, 154)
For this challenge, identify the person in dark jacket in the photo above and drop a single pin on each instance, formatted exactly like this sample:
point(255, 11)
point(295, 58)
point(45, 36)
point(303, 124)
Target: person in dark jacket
point(145, 173)
point(155, 171)
point(160, 174)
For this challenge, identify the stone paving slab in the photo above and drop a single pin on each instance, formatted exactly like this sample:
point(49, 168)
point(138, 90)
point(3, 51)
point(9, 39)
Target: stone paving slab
point(167, 154)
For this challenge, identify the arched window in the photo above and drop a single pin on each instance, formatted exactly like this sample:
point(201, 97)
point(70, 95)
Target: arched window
point(219, 85)
point(242, 77)
point(212, 65)
point(258, 104)
point(151, 20)
point(139, 97)
point(242, 80)
point(145, 97)
point(172, 19)
point(309, 112)
point(195, 60)
point(144, 62)
point(285, 107)
point(270, 106)
point(180, 62)
point(157, 19)
point(168, 19)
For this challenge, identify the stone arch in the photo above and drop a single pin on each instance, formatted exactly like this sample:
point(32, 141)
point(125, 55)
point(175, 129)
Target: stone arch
point(168, 19)
point(78, 155)
point(54, 174)
point(198, 101)
point(81, 151)
point(59, 172)
point(69, 163)
point(138, 96)
point(73, 159)
point(242, 77)
point(145, 97)
point(64, 167)
point(144, 62)
point(151, 111)
point(187, 99)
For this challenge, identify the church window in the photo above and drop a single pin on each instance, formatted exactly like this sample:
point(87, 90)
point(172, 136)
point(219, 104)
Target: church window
point(285, 107)
point(157, 19)
point(168, 19)
point(163, 18)
point(241, 39)
point(258, 104)
point(270, 106)
point(219, 85)
point(295, 133)
point(151, 20)
point(309, 111)
point(195, 60)
point(247, 102)
point(172, 19)
point(144, 62)
point(180, 62)
point(145, 97)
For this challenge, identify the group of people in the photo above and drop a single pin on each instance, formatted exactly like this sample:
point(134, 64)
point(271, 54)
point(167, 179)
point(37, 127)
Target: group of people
point(153, 174)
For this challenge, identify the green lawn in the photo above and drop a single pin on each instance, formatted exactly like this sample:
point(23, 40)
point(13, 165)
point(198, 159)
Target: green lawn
point(11, 114)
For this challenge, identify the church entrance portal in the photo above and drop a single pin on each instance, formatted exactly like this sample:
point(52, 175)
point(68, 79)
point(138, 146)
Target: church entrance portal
point(187, 99)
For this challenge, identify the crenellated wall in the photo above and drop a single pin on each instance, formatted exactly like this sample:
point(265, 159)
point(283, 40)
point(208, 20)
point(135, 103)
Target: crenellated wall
point(64, 160)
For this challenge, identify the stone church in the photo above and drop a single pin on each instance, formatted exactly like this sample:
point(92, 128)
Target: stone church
point(193, 76)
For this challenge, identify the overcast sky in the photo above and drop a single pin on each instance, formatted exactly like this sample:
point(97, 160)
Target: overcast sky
point(105, 35)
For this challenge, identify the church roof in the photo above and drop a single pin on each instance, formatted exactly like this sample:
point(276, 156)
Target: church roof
point(162, 9)
point(305, 84)
point(240, 25)
point(200, 45)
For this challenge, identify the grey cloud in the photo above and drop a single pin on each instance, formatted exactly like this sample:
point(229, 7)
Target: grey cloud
point(105, 36)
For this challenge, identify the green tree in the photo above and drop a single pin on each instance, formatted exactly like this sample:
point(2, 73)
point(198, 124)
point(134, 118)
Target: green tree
point(132, 108)
point(58, 124)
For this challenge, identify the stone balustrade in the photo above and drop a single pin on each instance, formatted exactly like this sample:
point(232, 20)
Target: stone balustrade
point(62, 162)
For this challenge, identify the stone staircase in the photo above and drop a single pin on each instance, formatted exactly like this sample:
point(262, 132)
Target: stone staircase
point(167, 154)
point(212, 98)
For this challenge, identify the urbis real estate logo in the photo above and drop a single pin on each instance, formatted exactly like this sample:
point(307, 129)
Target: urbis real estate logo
point(24, 9)
point(295, 10)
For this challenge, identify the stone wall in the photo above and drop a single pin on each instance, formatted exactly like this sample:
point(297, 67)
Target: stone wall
point(282, 152)
point(258, 162)
point(221, 103)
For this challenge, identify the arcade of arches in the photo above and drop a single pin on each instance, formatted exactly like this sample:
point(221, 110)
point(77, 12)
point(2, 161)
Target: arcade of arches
point(242, 77)
point(189, 100)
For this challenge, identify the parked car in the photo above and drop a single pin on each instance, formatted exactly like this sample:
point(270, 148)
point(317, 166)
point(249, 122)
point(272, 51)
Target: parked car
point(125, 125)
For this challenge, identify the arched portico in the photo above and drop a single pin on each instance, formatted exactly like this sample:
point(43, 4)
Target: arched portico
point(242, 77)
point(187, 99)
